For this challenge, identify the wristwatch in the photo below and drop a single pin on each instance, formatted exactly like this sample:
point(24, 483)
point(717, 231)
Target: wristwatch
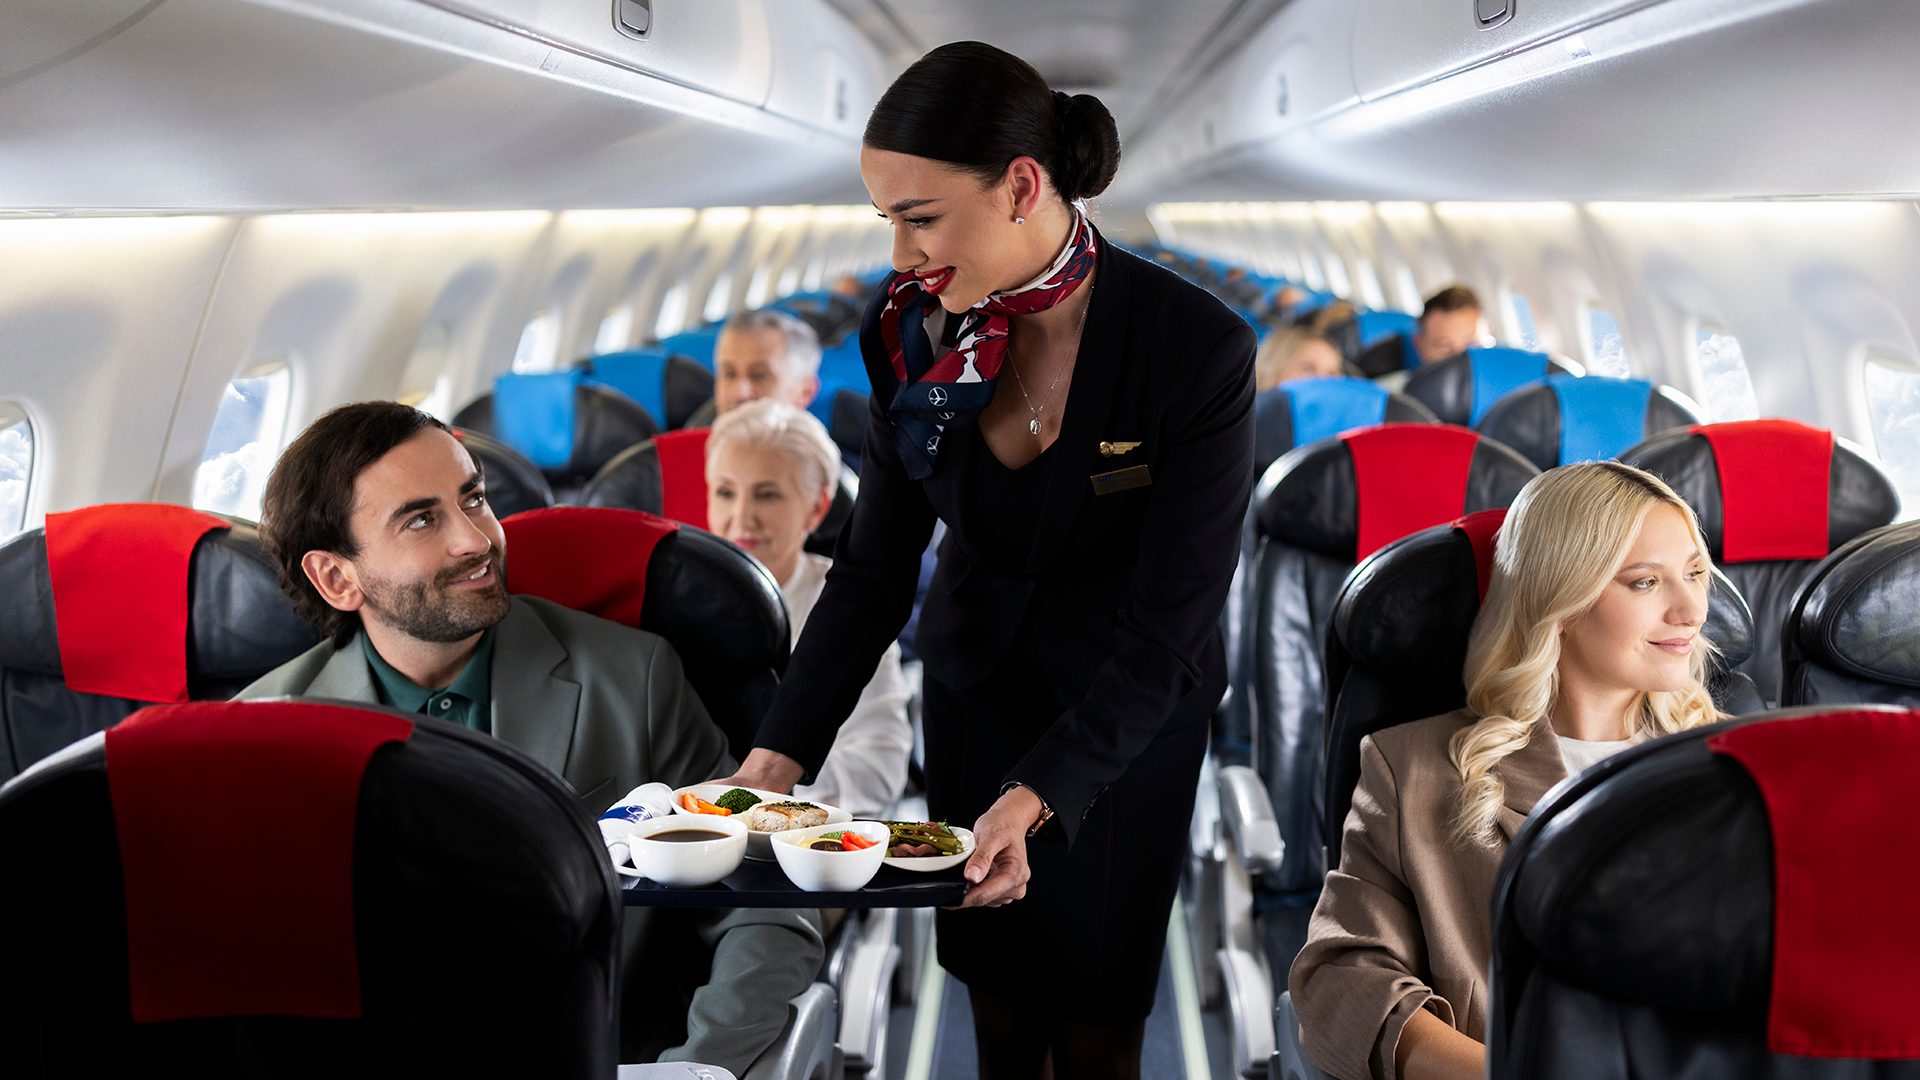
point(1046, 811)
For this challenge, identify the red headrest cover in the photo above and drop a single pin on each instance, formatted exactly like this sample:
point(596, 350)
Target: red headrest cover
point(683, 475)
point(120, 576)
point(590, 558)
point(1482, 529)
point(1409, 477)
point(1774, 476)
point(1845, 817)
point(236, 829)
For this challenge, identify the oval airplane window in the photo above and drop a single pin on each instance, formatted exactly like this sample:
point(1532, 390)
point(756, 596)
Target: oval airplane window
point(247, 433)
point(16, 467)
point(616, 331)
point(539, 345)
point(673, 312)
point(424, 382)
point(1338, 283)
point(720, 299)
point(1367, 281)
point(1726, 390)
point(1607, 349)
point(1892, 384)
point(1410, 299)
point(1520, 319)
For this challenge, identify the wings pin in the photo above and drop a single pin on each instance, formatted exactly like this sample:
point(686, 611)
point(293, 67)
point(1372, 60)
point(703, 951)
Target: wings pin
point(1115, 449)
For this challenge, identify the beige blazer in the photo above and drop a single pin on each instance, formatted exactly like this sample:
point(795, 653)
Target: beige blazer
point(1405, 921)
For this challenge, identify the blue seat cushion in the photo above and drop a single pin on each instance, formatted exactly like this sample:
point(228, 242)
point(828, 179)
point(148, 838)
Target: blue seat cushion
point(534, 414)
point(1599, 417)
point(638, 373)
point(1325, 407)
point(1500, 370)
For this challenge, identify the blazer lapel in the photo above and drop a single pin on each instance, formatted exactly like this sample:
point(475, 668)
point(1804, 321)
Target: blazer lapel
point(1096, 375)
point(1528, 775)
point(533, 709)
point(345, 677)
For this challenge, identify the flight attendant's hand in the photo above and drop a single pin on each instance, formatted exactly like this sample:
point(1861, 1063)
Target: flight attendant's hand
point(768, 770)
point(998, 868)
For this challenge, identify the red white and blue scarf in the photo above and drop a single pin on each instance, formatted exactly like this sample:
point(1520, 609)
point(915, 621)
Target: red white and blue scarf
point(935, 389)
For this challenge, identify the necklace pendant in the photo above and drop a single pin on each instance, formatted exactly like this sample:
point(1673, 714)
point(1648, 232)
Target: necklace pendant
point(1034, 425)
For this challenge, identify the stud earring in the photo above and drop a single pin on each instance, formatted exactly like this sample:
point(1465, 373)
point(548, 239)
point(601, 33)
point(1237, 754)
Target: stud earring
point(1019, 221)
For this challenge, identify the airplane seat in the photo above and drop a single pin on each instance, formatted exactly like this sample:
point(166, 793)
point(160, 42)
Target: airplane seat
point(718, 608)
point(1390, 331)
point(1462, 388)
point(563, 422)
point(847, 424)
point(1590, 418)
point(1702, 905)
point(696, 345)
point(1851, 636)
point(1307, 410)
point(1774, 497)
point(513, 483)
point(303, 889)
point(119, 606)
point(1398, 645)
point(667, 475)
point(671, 387)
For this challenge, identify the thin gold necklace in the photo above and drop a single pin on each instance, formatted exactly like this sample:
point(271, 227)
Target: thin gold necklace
point(1033, 425)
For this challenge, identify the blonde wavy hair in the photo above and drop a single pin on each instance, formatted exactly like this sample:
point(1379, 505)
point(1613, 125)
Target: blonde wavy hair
point(1559, 548)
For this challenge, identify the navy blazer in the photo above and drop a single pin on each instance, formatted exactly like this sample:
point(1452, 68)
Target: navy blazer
point(1124, 589)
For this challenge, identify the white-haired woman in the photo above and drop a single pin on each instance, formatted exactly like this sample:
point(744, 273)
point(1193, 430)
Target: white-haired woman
point(1588, 641)
point(771, 475)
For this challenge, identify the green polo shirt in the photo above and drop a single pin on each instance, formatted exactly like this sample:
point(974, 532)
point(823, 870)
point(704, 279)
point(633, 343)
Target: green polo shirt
point(467, 701)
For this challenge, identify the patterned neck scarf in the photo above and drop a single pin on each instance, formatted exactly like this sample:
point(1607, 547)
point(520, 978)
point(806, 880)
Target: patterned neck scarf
point(937, 386)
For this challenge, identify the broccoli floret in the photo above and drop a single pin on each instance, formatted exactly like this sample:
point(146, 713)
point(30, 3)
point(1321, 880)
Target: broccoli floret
point(738, 800)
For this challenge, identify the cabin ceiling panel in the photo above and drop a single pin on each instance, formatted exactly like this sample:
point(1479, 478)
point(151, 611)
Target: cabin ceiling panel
point(272, 104)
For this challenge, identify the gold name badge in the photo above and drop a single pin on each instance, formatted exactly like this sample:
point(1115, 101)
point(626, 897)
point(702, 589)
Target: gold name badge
point(1115, 449)
point(1107, 483)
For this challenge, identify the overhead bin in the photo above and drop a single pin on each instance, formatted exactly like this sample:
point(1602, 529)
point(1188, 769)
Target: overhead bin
point(1407, 42)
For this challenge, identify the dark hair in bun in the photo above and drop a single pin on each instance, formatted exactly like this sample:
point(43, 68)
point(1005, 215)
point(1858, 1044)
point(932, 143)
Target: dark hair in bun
point(977, 107)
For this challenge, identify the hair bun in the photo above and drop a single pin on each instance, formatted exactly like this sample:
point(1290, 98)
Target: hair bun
point(1089, 143)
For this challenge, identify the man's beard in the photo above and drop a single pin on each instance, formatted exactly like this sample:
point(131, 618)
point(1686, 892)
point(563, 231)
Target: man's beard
point(431, 611)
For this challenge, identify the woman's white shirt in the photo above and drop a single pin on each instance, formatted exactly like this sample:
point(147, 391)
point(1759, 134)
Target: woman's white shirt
point(1582, 754)
point(867, 765)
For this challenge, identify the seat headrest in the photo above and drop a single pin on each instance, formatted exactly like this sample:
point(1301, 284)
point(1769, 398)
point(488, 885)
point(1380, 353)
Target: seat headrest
point(671, 388)
point(592, 560)
point(564, 423)
point(1374, 326)
point(514, 484)
point(666, 475)
point(1770, 489)
point(1856, 613)
point(1348, 496)
point(1308, 410)
point(1461, 389)
point(1590, 418)
point(212, 882)
point(1716, 870)
point(695, 345)
point(234, 624)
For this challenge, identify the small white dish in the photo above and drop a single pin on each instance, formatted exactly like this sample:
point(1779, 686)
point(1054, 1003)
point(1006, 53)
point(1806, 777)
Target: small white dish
point(686, 863)
point(757, 842)
point(830, 871)
point(927, 864)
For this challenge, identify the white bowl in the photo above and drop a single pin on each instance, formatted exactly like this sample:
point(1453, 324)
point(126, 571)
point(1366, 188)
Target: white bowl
point(830, 871)
point(757, 847)
point(927, 864)
point(687, 863)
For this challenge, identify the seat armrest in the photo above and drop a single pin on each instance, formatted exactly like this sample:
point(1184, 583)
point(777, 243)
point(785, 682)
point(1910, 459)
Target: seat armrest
point(674, 1070)
point(806, 1049)
point(1246, 814)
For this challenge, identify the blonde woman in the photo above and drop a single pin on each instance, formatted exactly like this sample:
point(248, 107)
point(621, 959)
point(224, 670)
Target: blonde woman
point(1588, 641)
point(771, 475)
point(1294, 352)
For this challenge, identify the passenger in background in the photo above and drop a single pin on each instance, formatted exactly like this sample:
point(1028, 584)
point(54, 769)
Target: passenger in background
point(378, 521)
point(1588, 641)
point(762, 354)
point(1294, 352)
point(771, 475)
point(1449, 324)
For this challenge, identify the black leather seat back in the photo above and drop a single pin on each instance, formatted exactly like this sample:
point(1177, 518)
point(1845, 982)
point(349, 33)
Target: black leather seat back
point(1313, 515)
point(1634, 923)
point(1462, 389)
point(239, 627)
point(1397, 649)
point(605, 422)
point(1858, 496)
point(1590, 418)
point(1853, 634)
point(513, 483)
point(717, 607)
point(485, 912)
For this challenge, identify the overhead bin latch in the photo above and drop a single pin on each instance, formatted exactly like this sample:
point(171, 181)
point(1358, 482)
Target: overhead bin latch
point(1491, 13)
point(633, 17)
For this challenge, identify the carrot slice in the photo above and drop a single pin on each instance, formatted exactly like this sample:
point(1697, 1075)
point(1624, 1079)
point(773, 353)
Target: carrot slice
point(694, 804)
point(853, 841)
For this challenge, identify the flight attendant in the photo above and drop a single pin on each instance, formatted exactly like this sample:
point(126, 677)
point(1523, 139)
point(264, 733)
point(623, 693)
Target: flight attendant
point(1081, 419)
